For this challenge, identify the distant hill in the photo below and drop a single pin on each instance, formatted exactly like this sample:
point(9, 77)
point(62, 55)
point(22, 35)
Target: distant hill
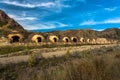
point(112, 33)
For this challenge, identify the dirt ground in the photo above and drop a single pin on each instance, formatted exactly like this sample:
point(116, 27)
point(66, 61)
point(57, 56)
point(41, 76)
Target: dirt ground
point(59, 52)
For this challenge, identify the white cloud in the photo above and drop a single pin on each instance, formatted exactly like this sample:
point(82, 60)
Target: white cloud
point(108, 21)
point(98, 29)
point(111, 9)
point(22, 18)
point(26, 18)
point(38, 26)
point(117, 20)
point(60, 24)
point(28, 5)
point(47, 25)
point(30, 23)
point(91, 22)
point(55, 4)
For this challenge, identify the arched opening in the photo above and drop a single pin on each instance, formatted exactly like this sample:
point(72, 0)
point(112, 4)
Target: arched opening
point(39, 39)
point(55, 39)
point(74, 40)
point(88, 40)
point(82, 40)
point(66, 40)
point(15, 38)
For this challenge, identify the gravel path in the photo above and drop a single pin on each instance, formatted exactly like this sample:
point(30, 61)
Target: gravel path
point(62, 51)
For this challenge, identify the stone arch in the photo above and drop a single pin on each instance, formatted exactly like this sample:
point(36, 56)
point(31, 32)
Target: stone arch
point(15, 38)
point(53, 38)
point(38, 38)
point(74, 39)
point(82, 40)
point(66, 39)
point(88, 40)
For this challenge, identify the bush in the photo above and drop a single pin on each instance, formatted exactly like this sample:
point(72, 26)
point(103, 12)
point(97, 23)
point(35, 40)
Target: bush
point(34, 59)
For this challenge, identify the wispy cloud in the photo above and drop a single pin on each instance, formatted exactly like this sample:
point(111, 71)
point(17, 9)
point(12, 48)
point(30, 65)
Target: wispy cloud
point(98, 29)
point(47, 25)
point(108, 21)
point(91, 22)
point(38, 26)
point(110, 9)
point(54, 4)
point(28, 5)
point(59, 24)
point(117, 20)
point(22, 18)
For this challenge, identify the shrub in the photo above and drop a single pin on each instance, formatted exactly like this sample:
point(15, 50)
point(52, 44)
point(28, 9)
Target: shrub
point(34, 59)
point(67, 54)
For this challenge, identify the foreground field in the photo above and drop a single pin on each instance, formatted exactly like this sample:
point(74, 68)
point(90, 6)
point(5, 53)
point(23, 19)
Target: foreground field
point(26, 51)
point(93, 64)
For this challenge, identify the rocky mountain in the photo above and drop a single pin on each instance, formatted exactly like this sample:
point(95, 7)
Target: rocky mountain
point(7, 23)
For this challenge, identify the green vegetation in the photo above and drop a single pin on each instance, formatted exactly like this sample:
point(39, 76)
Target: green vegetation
point(15, 48)
point(2, 23)
point(10, 49)
point(97, 64)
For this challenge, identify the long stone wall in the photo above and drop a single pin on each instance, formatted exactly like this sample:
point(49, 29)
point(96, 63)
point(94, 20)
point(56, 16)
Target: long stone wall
point(50, 38)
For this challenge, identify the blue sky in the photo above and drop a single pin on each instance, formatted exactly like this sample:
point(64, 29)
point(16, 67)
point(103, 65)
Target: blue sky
point(64, 14)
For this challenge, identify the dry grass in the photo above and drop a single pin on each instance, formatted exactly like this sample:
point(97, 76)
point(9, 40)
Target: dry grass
point(84, 65)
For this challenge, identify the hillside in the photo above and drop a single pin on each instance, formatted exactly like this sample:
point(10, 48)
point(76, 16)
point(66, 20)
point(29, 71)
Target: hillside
point(112, 33)
point(8, 24)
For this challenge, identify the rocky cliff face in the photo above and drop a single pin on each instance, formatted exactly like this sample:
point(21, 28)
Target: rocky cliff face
point(7, 23)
